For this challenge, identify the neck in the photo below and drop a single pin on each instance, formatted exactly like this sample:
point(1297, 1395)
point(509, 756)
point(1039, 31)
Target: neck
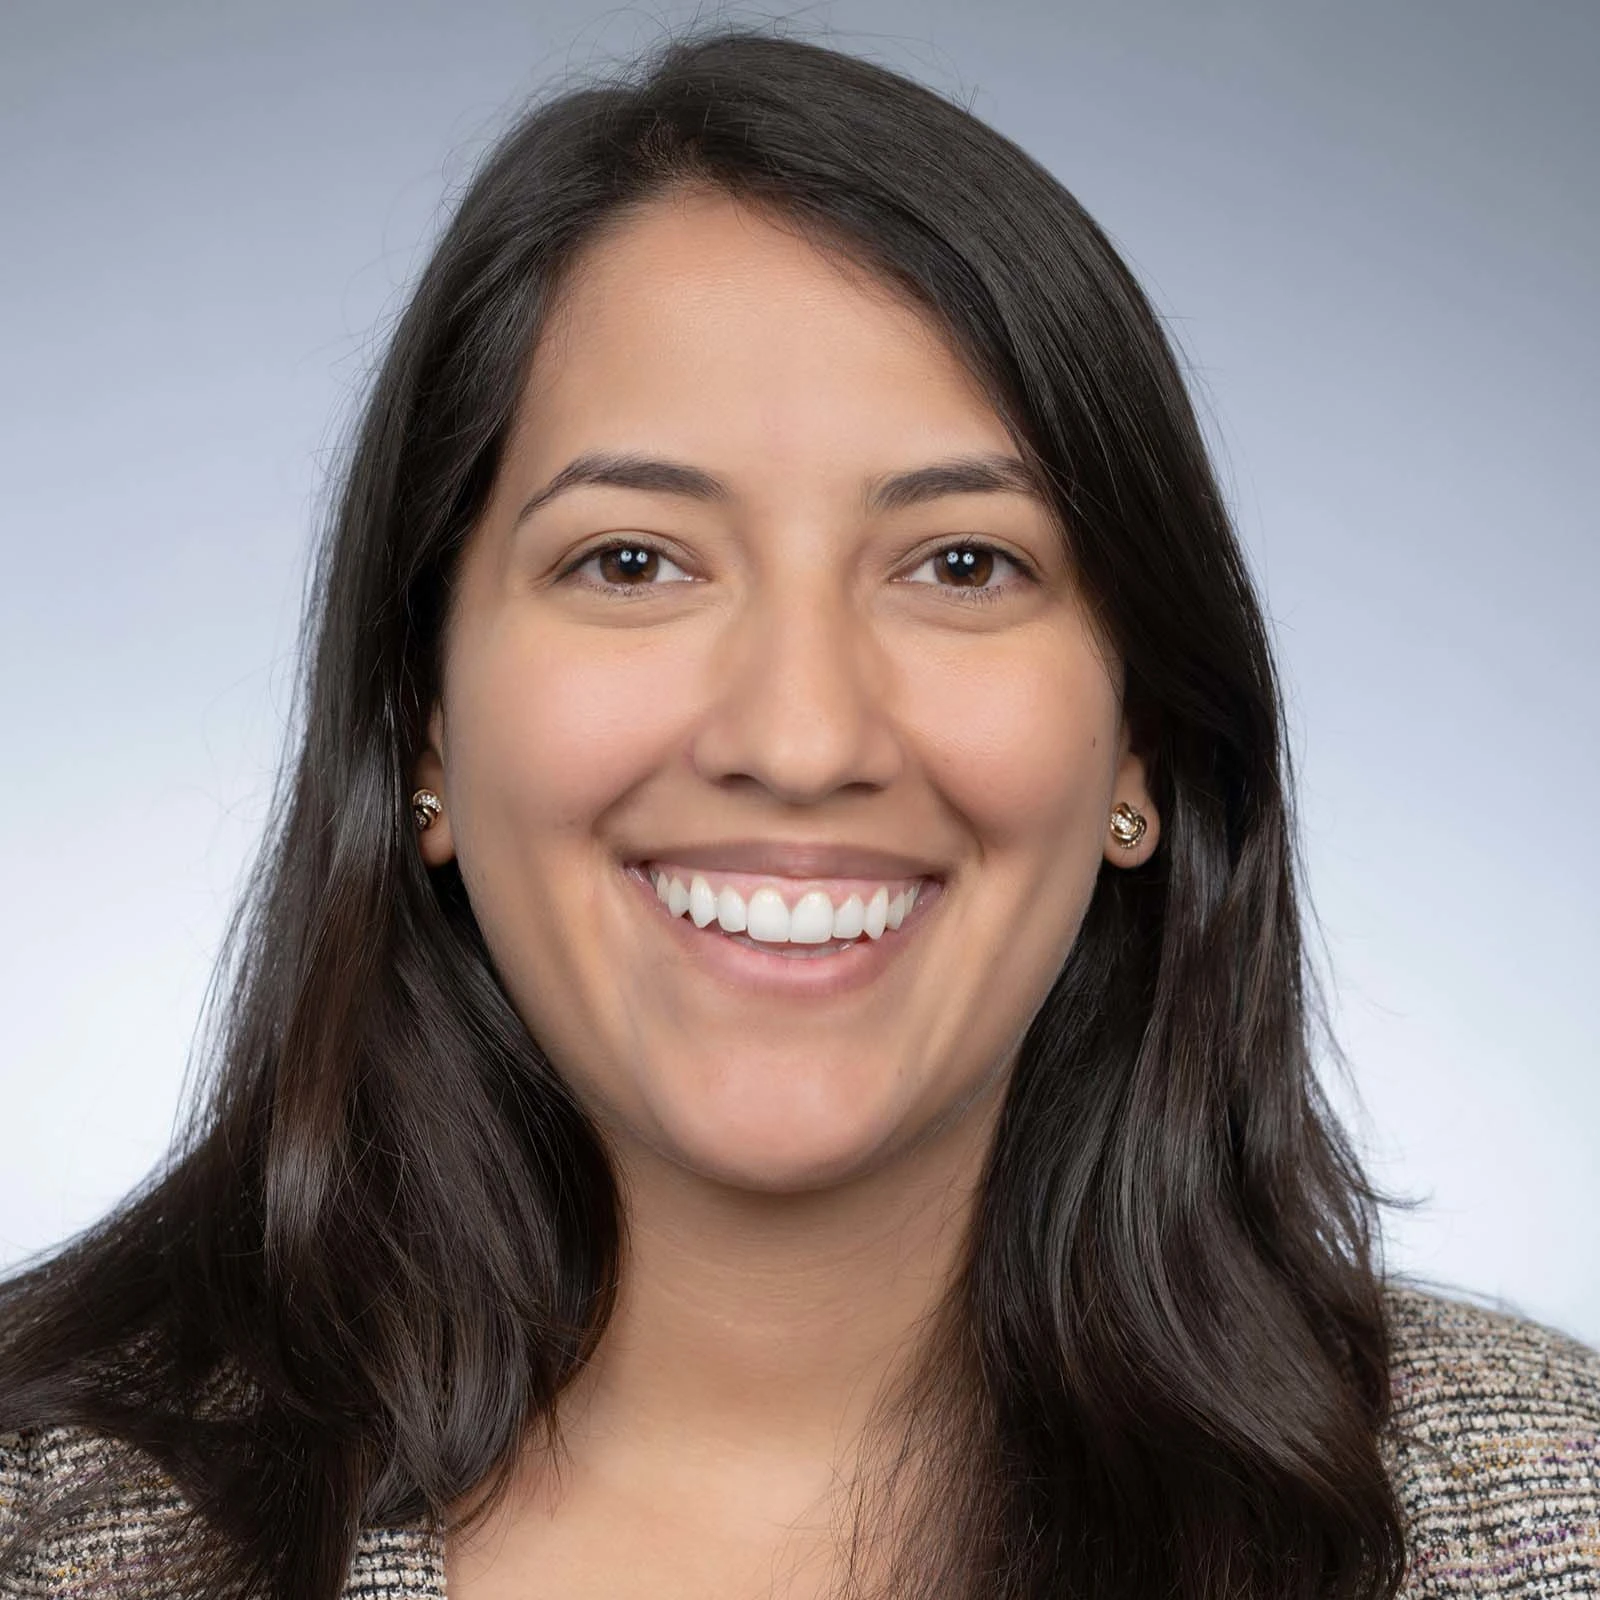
point(727, 1416)
point(770, 1324)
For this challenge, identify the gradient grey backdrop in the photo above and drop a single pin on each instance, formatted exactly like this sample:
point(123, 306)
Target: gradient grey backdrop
point(1372, 229)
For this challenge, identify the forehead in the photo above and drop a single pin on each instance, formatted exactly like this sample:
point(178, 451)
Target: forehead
point(699, 322)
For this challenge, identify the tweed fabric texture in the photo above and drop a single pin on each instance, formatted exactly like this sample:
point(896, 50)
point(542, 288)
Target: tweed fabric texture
point(1494, 1452)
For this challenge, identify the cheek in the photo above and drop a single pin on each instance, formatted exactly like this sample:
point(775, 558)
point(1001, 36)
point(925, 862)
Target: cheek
point(551, 730)
point(1026, 746)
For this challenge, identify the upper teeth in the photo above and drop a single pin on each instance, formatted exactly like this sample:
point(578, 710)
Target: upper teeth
point(765, 916)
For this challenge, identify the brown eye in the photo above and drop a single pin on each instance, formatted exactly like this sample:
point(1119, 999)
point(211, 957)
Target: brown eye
point(625, 565)
point(970, 567)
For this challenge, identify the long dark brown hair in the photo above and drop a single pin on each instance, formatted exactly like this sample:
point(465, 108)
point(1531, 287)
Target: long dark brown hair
point(391, 1233)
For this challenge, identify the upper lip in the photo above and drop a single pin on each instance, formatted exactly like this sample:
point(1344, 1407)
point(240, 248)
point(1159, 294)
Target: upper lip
point(799, 859)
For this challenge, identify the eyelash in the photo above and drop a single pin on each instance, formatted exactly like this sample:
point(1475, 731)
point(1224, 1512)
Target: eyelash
point(965, 596)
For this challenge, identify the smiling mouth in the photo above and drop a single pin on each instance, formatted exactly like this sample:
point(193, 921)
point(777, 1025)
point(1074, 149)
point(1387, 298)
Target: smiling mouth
point(824, 961)
point(778, 916)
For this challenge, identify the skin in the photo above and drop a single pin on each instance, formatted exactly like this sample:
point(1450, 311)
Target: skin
point(796, 1172)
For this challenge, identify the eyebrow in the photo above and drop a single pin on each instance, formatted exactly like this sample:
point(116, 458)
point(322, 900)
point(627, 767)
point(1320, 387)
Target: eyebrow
point(974, 474)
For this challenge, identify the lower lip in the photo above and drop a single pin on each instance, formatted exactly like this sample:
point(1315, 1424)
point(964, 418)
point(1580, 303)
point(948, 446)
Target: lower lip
point(769, 972)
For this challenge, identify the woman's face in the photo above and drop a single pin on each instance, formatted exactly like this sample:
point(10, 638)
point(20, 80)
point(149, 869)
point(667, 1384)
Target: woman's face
point(761, 598)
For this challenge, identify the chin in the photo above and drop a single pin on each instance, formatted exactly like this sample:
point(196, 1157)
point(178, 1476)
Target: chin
point(778, 1143)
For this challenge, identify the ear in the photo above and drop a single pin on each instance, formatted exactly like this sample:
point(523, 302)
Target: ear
point(1132, 787)
point(435, 843)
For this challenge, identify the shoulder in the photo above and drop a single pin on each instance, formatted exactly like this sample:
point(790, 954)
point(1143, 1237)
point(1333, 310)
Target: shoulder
point(79, 1507)
point(1494, 1449)
point(88, 1516)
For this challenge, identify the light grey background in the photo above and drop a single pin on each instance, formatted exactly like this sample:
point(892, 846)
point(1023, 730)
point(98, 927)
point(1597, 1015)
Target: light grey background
point(1372, 227)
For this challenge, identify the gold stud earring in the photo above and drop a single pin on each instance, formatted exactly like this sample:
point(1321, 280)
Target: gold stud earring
point(1127, 825)
point(425, 807)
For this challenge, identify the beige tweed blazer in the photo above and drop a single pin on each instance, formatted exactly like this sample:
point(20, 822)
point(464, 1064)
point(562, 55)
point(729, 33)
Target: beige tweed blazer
point(1500, 1488)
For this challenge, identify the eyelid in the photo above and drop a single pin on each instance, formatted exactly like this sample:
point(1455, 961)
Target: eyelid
point(986, 545)
point(1024, 568)
point(605, 547)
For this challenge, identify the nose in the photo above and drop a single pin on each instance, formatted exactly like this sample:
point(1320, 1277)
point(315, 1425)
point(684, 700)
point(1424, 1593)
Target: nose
point(801, 703)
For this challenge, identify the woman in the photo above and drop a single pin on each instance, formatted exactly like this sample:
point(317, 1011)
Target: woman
point(769, 1052)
